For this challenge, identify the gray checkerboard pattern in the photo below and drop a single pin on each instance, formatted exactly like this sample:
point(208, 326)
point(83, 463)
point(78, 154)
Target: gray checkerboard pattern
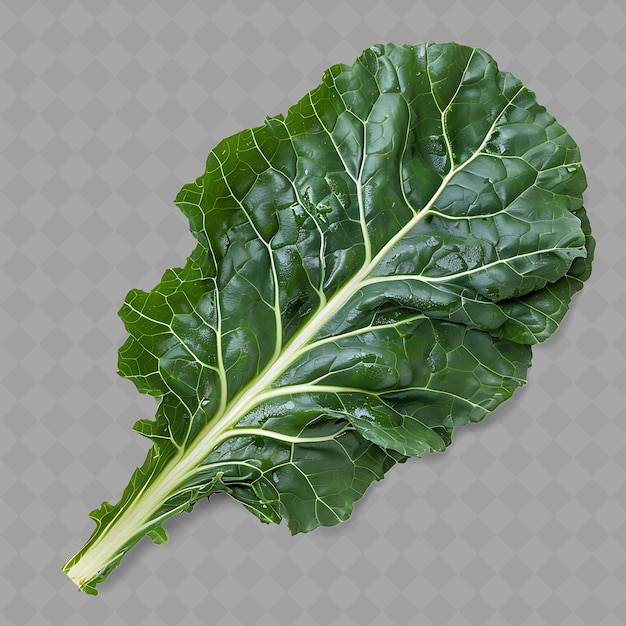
point(107, 109)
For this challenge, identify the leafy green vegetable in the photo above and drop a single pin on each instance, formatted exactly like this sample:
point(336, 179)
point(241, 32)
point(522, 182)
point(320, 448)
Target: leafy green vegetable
point(370, 273)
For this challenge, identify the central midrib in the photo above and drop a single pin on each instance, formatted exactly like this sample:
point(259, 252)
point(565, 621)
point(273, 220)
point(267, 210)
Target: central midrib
point(246, 399)
point(182, 465)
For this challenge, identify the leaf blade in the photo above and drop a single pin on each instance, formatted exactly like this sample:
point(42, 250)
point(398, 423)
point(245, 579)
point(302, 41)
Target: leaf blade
point(370, 273)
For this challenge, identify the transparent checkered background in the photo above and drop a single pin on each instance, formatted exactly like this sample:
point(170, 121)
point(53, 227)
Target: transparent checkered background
point(107, 109)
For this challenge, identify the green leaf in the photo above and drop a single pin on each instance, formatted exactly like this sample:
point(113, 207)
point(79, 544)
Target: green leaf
point(371, 271)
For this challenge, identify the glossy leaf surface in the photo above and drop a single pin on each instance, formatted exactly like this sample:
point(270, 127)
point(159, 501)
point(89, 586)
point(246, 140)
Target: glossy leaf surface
point(370, 273)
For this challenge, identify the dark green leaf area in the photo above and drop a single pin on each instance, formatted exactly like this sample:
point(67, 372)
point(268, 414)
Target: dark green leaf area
point(310, 479)
point(167, 325)
point(528, 319)
point(181, 344)
point(409, 378)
